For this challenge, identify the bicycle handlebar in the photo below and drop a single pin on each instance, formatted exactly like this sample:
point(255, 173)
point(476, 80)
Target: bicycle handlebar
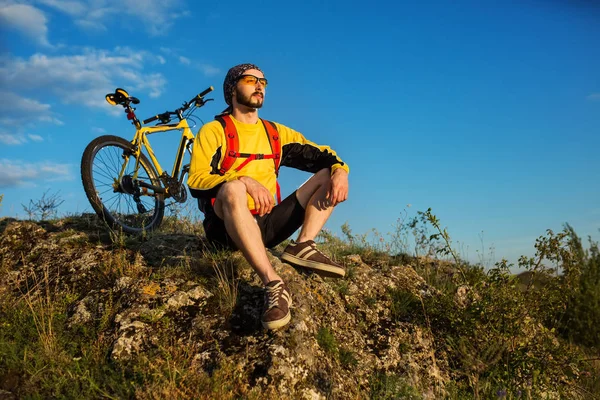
point(166, 115)
point(204, 93)
point(152, 119)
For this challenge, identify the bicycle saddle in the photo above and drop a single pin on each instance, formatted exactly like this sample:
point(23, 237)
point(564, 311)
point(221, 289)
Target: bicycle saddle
point(120, 96)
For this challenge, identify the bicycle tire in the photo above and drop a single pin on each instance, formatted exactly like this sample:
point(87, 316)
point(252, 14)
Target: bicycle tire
point(101, 163)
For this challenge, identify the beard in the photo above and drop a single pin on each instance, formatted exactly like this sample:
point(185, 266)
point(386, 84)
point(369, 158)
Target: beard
point(250, 101)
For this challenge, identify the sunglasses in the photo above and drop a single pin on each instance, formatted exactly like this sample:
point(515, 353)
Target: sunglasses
point(252, 80)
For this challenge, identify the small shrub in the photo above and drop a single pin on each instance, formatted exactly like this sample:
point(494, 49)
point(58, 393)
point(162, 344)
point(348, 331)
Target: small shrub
point(342, 288)
point(347, 358)
point(385, 386)
point(370, 301)
point(45, 207)
point(326, 340)
point(404, 304)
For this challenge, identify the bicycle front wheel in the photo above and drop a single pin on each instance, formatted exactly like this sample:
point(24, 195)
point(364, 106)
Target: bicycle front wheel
point(125, 203)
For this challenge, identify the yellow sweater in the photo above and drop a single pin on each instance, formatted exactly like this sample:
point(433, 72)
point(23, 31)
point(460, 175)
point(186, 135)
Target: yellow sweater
point(210, 147)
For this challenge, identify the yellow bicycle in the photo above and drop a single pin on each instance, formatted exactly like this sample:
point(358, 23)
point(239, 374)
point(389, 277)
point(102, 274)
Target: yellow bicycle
point(126, 187)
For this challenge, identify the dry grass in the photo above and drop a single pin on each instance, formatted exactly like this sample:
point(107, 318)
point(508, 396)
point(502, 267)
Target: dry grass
point(225, 269)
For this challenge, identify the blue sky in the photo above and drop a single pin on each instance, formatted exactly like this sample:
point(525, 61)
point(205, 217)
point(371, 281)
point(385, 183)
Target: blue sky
point(485, 111)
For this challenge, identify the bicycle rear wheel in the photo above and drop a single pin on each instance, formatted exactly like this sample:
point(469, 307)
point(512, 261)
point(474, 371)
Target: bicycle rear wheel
point(124, 204)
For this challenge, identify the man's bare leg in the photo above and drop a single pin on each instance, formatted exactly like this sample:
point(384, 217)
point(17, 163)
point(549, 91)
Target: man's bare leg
point(312, 196)
point(231, 207)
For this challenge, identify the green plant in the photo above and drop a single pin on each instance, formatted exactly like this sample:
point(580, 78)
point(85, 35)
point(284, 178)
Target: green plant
point(370, 301)
point(326, 340)
point(342, 287)
point(579, 321)
point(404, 304)
point(447, 248)
point(347, 358)
point(384, 386)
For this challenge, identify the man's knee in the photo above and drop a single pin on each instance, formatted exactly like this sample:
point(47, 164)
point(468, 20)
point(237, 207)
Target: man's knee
point(319, 180)
point(323, 176)
point(231, 194)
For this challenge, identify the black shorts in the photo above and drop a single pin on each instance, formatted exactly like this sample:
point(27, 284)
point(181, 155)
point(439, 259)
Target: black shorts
point(283, 220)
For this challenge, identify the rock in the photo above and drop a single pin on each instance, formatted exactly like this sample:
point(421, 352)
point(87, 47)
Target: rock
point(81, 315)
point(311, 394)
point(461, 296)
point(123, 283)
point(179, 299)
point(198, 293)
point(130, 340)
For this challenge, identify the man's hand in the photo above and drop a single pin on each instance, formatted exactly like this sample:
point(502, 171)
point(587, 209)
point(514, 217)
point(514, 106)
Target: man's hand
point(263, 200)
point(338, 188)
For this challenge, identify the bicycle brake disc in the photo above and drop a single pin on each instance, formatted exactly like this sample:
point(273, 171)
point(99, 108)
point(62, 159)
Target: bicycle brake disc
point(127, 185)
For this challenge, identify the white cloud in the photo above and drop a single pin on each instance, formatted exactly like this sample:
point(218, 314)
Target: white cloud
point(90, 25)
point(11, 103)
point(47, 118)
point(26, 19)
point(594, 97)
point(69, 7)
point(156, 16)
point(83, 78)
point(11, 139)
point(17, 114)
point(20, 173)
point(206, 69)
point(18, 137)
point(209, 70)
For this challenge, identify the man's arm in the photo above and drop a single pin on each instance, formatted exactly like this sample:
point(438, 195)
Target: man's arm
point(203, 179)
point(300, 153)
point(263, 200)
point(338, 190)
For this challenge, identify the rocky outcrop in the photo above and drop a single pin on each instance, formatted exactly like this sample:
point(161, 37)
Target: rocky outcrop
point(173, 288)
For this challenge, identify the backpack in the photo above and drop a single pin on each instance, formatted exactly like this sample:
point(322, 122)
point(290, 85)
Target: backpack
point(232, 149)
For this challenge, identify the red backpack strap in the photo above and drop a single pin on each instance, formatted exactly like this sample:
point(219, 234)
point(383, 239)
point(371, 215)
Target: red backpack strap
point(233, 143)
point(274, 141)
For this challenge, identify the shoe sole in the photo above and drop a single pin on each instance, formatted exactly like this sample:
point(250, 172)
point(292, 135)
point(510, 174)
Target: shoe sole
point(326, 270)
point(271, 325)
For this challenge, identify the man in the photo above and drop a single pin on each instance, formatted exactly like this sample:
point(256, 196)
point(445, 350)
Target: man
point(236, 188)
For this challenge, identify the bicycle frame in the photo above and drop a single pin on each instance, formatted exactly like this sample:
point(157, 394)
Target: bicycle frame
point(140, 141)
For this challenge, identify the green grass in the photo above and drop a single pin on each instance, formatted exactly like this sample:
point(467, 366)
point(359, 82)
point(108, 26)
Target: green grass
point(386, 386)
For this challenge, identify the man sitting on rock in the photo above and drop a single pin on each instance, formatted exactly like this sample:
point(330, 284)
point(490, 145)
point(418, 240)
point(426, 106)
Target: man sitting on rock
point(233, 173)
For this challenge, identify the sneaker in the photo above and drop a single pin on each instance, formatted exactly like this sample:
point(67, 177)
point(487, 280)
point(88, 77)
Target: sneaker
point(307, 255)
point(277, 305)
